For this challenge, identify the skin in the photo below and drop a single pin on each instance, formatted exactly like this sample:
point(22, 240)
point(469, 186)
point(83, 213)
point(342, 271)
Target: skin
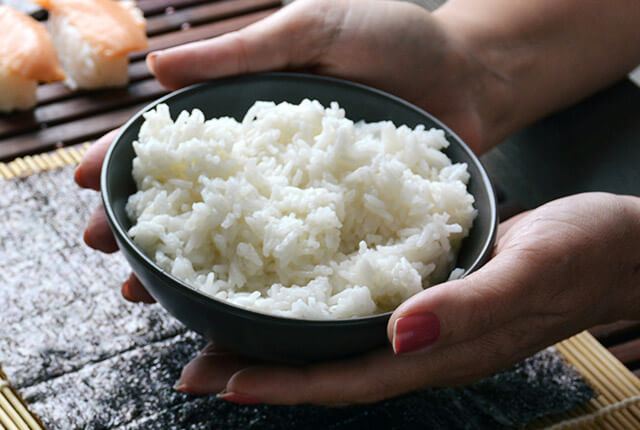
point(486, 69)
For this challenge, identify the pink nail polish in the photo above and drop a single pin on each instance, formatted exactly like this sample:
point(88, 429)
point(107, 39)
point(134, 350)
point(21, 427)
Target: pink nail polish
point(415, 332)
point(151, 62)
point(126, 290)
point(240, 399)
point(181, 387)
point(77, 176)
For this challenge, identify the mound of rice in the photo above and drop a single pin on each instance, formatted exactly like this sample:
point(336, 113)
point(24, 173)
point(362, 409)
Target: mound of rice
point(298, 211)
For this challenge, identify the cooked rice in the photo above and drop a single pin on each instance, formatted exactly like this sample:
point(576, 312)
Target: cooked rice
point(298, 211)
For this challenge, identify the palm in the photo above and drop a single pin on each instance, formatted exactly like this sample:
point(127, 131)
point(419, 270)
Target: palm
point(532, 293)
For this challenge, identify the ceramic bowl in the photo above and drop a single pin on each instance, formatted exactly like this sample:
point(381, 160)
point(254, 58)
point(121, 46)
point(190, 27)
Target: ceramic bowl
point(255, 334)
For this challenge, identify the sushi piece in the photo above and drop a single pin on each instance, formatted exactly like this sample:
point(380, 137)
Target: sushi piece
point(25, 6)
point(27, 56)
point(93, 39)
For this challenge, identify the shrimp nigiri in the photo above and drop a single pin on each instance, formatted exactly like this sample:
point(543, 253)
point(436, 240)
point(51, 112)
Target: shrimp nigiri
point(27, 56)
point(94, 38)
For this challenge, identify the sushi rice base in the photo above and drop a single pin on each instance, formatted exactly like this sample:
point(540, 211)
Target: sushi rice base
point(85, 66)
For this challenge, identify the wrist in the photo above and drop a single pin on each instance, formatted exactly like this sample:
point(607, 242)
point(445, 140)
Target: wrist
point(487, 75)
point(542, 56)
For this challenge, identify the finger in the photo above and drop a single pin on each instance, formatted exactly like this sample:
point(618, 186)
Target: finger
point(505, 226)
point(381, 374)
point(331, 383)
point(209, 371)
point(98, 234)
point(88, 172)
point(503, 237)
point(134, 291)
point(367, 379)
point(263, 46)
point(463, 309)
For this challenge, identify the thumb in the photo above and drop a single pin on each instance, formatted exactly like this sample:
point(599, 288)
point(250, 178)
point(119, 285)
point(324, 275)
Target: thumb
point(464, 309)
point(289, 38)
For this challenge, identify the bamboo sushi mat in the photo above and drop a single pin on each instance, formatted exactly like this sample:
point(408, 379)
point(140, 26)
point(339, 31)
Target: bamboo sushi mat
point(616, 406)
point(14, 414)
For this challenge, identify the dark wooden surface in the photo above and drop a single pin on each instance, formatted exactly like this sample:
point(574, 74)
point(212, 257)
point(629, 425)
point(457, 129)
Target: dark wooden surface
point(64, 117)
point(594, 146)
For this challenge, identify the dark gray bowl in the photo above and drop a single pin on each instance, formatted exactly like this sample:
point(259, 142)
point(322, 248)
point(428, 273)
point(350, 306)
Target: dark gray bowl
point(251, 333)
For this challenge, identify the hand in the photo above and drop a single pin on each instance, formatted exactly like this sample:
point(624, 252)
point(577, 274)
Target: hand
point(395, 46)
point(548, 278)
point(566, 266)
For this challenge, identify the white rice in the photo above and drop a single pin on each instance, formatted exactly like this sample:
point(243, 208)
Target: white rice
point(297, 211)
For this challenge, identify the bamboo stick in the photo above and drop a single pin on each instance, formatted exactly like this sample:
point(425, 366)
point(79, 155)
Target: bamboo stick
point(32, 164)
point(6, 421)
point(606, 397)
point(12, 413)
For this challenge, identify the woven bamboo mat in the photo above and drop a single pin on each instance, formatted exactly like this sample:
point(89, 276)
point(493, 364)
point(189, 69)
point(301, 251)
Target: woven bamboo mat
point(13, 412)
point(618, 400)
point(617, 405)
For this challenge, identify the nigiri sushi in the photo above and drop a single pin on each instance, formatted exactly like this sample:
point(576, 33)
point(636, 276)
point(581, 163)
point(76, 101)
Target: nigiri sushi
point(27, 56)
point(93, 39)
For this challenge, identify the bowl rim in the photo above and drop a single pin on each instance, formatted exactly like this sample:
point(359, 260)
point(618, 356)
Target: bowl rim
point(126, 241)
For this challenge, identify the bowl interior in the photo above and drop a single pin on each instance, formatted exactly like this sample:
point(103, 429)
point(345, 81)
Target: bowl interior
point(233, 97)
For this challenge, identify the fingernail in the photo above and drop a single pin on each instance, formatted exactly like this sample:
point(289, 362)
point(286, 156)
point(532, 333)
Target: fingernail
point(180, 387)
point(86, 238)
point(151, 62)
point(77, 176)
point(213, 350)
point(240, 399)
point(415, 332)
point(208, 349)
point(126, 290)
point(181, 384)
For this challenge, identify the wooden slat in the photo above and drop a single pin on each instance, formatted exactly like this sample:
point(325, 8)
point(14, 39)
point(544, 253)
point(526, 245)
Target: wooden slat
point(621, 331)
point(204, 31)
point(627, 352)
point(71, 109)
point(30, 165)
point(622, 338)
point(205, 13)
point(13, 412)
point(154, 7)
point(65, 117)
point(68, 132)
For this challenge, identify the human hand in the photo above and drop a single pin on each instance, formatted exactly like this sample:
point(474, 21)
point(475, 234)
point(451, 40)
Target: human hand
point(566, 266)
point(485, 322)
point(395, 46)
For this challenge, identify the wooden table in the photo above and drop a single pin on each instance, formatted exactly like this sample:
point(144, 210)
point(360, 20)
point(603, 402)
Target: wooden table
point(622, 339)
